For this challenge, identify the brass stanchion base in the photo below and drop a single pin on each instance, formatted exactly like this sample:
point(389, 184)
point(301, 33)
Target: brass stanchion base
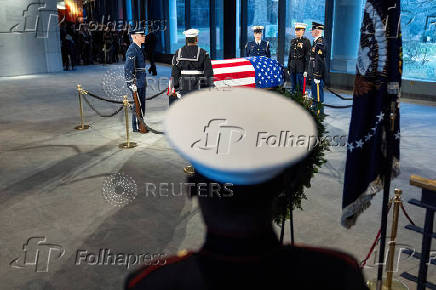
point(189, 170)
point(126, 145)
point(396, 285)
point(80, 127)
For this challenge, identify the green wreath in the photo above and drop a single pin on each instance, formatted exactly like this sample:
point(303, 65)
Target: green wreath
point(292, 197)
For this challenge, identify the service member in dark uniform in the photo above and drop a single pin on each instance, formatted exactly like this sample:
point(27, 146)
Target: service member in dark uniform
point(149, 44)
point(191, 70)
point(134, 70)
point(317, 65)
point(235, 192)
point(299, 54)
point(257, 47)
point(191, 67)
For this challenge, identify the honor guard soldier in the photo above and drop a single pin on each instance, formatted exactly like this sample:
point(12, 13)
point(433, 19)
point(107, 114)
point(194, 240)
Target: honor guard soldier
point(257, 47)
point(317, 66)
point(191, 70)
point(236, 183)
point(134, 70)
point(299, 55)
point(191, 67)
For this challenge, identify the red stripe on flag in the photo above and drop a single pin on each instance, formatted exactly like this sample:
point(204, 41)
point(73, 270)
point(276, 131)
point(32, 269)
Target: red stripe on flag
point(232, 64)
point(234, 75)
point(253, 85)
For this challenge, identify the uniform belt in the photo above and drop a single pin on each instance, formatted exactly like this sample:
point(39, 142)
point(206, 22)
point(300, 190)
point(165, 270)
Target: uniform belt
point(140, 69)
point(192, 72)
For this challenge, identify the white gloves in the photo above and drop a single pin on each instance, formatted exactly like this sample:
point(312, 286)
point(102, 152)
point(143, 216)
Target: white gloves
point(305, 74)
point(316, 81)
point(133, 87)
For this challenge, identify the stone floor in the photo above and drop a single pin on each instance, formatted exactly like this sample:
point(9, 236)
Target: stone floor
point(53, 178)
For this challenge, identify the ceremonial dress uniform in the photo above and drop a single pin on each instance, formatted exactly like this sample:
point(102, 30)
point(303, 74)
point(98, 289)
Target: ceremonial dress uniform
point(251, 264)
point(298, 61)
point(253, 48)
point(191, 68)
point(317, 67)
point(135, 73)
point(149, 44)
point(257, 48)
point(241, 250)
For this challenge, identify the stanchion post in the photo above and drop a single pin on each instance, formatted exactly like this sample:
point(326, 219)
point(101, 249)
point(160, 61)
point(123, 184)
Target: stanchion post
point(127, 144)
point(82, 125)
point(389, 283)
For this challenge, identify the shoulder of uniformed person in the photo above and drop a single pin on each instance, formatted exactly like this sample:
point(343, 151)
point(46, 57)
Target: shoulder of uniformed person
point(131, 53)
point(320, 40)
point(148, 277)
point(203, 51)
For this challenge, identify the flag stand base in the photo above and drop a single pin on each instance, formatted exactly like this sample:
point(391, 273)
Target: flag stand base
point(396, 285)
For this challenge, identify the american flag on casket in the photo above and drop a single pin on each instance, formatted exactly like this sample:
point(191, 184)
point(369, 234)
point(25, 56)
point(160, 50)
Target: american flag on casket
point(254, 72)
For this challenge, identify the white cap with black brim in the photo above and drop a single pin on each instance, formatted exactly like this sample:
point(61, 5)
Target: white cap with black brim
point(241, 136)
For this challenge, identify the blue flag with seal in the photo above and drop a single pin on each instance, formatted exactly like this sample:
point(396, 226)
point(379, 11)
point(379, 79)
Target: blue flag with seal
point(376, 91)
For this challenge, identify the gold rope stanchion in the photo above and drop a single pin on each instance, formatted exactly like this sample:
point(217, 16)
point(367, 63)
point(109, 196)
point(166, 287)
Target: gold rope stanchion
point(389, 283)
point(127, 144)
point(82, 126)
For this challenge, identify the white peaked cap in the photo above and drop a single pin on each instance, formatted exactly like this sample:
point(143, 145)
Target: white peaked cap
point(191, 32)
point(229, 136)
point(257, 27)
point(300, 25)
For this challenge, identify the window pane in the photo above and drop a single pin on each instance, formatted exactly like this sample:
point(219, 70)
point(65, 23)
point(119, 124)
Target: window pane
point(264, 12)
point(177, 24)
point(200, 21)
point(219, 18)
point(304, 11)
point(347, 19)
point(418, 23)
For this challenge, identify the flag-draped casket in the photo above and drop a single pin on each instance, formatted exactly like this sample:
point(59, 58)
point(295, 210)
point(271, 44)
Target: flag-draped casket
point(258, 72)
point(254, 72)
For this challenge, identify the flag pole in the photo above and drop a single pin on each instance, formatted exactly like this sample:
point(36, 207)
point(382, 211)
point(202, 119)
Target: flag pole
point(389, 125)
point(393, 33)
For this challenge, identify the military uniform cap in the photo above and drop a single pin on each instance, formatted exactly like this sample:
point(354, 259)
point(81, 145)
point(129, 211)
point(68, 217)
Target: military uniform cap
point(316, 25)
point(257, 28)
point(137, 31)
point(191, 32)
point(300, 25)
point(229, 137)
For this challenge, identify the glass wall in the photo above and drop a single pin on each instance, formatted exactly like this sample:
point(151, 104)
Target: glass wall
point(347, 19)
point(200, 21)
point(177, 24)
point(219, 28)
point(418, 23)
point(264, 12)
point(304, 11)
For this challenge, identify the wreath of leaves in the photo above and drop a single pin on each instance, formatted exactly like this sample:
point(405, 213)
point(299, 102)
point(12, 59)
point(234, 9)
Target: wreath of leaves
point(299, 179)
